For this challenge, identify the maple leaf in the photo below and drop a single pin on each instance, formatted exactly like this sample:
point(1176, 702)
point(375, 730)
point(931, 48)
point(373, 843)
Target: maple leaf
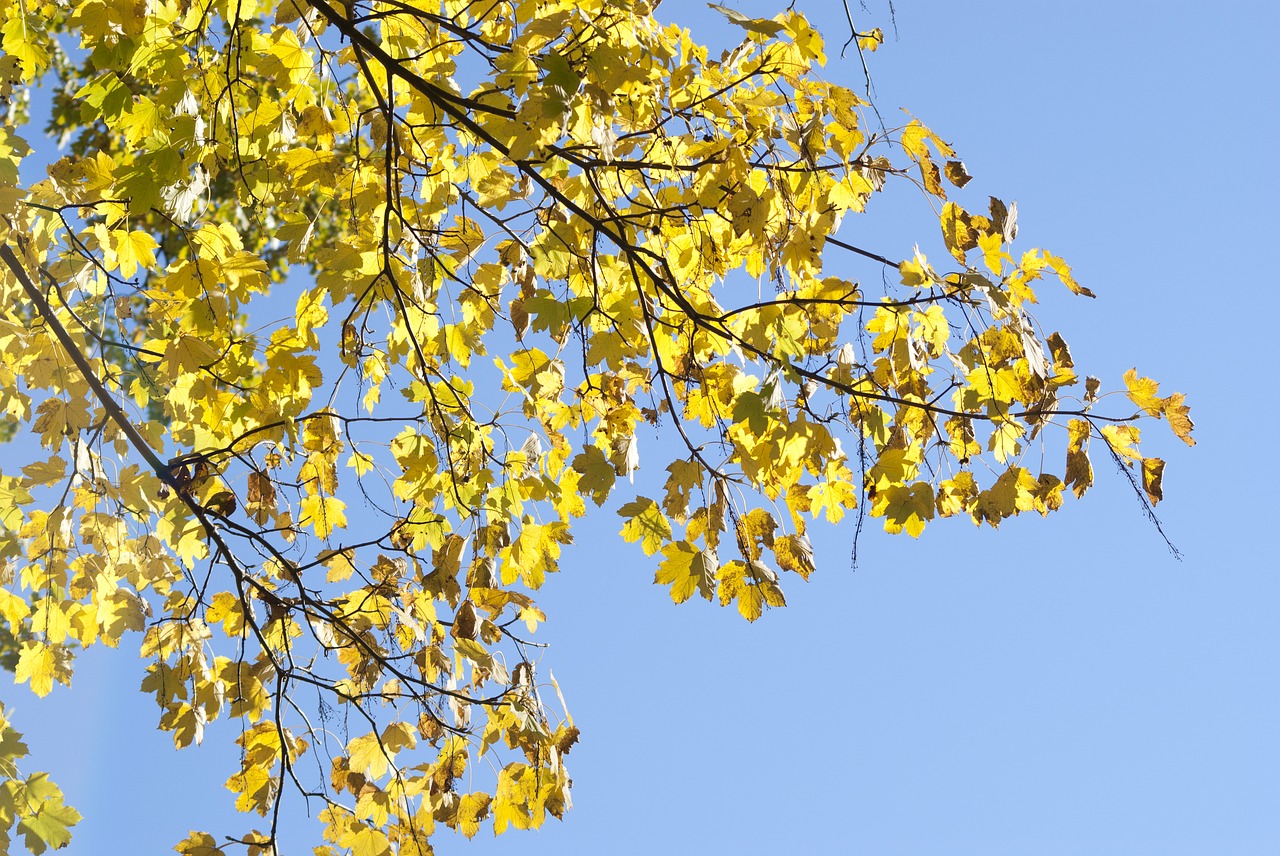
point(905, 508)
point(645, 523)
point(324, 514)
point(1176, 412)
point(199, 844)
point(597, 473)
point(133, 250)
point(1153, 478)
point(45, 821)
point(687, 570)
point(42, 665)
point(472, 808)
point(1142, 392)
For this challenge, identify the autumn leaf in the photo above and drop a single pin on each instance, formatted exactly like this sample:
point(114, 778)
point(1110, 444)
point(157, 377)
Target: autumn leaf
point(472, 808)
point(133, 250)
point(905, 508)
point(199, 844)
point(1064, 274)
point(645, 523)
point(597, 474)
point(956, 173)
point(872, 40)
point(41, 665)
point(1142, 392)
point(687, 570)
point(1176, 412)
point(324, 514)
point(753, 25)
point(795, 553)
point(958, 231)
point(1079, 472)
point(1153, 478)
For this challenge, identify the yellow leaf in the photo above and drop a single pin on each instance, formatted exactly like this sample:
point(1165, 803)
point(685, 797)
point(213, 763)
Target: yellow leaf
point(750, 602)
point(957, 495)
point(367, 755)
point(255, 786)
point(52, 618)
point(360, 462)
point(323, 514)
point(21, 41)
point(1012, 493)
point(1123, 440)
point(227, 610)
point(310, 316)
point(1047, 495)
point(832, 496)
point(993, 254)
point(198, 844)
point(1142, 392)
point(963, 445)
point(1004, 441)
point(1153, 478)
point(850, 193)
point(1176, 412)
point(398, 736)
point(687, 569)
point(755, 531)
point(957, 231)
point(535, 553)
point(916, 272)
point(645, 523)
point(751, 585)
point(472, 808)
point(1079, 474)
point(531, 616)
point(905, 508)
point(42, 664)
point(1064, 273)
point(185, 722)
point(12, 607)
point(133, 250)
point(597, 473)
point(759, 26)
point(462, 241)
point(686, 475)
point(872, 40)
point(794, 553)
point(45, 472)
point(369, 842)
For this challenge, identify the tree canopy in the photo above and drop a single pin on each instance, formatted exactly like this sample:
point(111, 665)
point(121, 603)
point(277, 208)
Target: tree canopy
point(331, 321)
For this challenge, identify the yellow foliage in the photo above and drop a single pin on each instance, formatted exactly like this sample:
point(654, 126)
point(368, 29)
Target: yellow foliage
point(504, 266)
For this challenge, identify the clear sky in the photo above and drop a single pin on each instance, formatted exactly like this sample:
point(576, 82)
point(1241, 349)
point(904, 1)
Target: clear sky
point(1061, 686)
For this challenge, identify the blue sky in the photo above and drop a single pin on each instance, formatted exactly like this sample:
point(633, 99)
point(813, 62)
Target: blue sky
point(1061, 686)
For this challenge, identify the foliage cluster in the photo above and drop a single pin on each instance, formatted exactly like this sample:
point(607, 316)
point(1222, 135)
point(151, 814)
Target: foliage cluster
point(332, 320)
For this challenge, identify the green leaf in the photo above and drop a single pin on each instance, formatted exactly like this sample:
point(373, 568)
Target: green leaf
point(46, 822)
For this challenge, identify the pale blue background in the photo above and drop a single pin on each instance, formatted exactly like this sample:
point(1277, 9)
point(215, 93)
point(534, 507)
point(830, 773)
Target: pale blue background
point(1062, 686)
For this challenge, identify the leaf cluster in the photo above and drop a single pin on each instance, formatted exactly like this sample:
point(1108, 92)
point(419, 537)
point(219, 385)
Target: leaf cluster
point(335, 320)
